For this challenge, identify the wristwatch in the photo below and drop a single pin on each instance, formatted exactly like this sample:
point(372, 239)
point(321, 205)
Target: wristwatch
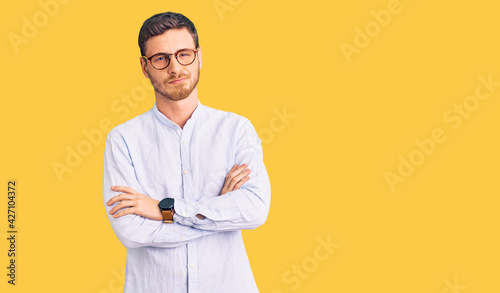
point(167, 209)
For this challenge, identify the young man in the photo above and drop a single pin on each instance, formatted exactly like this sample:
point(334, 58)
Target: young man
point(176, 179)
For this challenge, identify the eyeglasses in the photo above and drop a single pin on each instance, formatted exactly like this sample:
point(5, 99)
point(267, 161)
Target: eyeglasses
point(161, 60)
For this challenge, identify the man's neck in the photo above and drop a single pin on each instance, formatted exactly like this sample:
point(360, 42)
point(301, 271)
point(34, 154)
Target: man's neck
point(178, 112)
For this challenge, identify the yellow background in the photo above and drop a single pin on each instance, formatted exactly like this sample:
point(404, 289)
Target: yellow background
point(437, 231)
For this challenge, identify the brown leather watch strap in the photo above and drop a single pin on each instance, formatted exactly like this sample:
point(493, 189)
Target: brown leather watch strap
point(168, 216)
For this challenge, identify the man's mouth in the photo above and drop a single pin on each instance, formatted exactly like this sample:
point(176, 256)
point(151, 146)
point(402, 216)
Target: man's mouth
point(177, 80)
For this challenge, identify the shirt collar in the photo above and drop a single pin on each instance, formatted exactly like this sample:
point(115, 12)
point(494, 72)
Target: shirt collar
point(164, 120)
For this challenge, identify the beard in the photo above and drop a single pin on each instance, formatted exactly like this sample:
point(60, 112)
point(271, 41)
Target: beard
point(176, 92)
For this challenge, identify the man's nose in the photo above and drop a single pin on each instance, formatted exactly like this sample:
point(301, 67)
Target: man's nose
point(174, 66)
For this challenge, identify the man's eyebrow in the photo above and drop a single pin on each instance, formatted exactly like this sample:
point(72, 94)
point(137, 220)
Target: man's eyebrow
point(176, 51)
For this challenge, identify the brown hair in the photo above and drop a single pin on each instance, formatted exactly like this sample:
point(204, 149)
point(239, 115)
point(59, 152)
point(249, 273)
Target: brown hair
point(160, 23)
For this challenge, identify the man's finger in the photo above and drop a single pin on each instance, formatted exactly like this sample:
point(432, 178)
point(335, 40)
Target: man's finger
point(123, 189)
point(241, 182)
point(113, 200)
point(228, 177)
point(121, 205)
point(237, 169)
point(233, 168)
point(240, 169)
point(237, 178)
point(232, 174)
point(119, 197)
point(124, 212)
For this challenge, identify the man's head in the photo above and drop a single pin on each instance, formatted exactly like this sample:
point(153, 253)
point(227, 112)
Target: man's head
point(158, 24)
point(169, 33)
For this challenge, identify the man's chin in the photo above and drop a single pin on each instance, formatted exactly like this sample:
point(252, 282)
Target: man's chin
point(175, 96)
point(176, 92)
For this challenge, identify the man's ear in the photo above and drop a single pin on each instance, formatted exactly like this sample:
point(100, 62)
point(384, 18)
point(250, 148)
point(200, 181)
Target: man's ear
point(199, 56)
point(144, 66)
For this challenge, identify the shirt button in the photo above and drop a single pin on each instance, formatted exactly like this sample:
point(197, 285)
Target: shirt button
point(185, 172)
point(191, 266)
point(184, 142)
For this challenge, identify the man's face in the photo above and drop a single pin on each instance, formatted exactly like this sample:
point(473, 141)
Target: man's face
point(176, 82)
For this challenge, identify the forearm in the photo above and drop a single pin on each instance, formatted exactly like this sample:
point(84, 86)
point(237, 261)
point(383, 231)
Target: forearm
point(135, 230)
point(245, 208)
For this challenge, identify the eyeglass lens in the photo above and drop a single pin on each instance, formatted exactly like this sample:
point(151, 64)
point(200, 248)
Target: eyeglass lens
point(161, 60)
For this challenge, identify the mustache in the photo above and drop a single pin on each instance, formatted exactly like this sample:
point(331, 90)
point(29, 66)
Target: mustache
point(172, 78)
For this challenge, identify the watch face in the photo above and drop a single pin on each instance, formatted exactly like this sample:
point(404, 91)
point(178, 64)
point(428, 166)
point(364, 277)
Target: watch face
point(166, 203)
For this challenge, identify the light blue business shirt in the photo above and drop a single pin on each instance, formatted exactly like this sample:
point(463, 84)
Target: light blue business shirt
point(155, 157)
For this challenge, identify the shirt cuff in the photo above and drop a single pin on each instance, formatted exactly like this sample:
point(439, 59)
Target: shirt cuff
point(219, 208)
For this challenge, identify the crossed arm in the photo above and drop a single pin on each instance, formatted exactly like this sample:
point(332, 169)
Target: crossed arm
point(136, 219)
point(133, 202)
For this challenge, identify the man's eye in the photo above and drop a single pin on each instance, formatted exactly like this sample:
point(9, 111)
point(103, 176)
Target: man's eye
point(161, 58)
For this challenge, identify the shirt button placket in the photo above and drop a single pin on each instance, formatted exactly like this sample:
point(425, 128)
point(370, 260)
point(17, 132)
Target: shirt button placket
point(192, 268)
point(186, 183)
point(185, 163)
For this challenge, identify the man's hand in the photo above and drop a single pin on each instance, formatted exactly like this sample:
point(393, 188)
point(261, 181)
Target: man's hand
point(133, 202)
point(235, 178)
